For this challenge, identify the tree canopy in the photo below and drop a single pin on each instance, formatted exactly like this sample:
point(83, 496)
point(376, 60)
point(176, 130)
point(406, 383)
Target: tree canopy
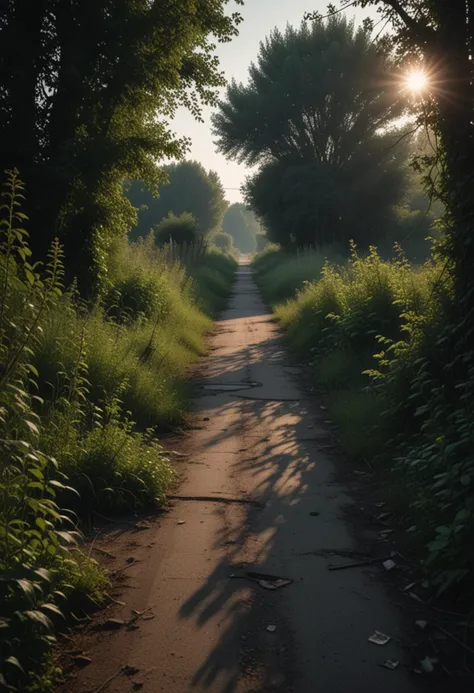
point(181, 229)
point(316, 115)
point(190, 188)
point(88, 91)
point(240, 223)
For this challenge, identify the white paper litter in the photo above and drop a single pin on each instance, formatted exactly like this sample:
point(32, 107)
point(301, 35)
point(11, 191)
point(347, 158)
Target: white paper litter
point(379, 638)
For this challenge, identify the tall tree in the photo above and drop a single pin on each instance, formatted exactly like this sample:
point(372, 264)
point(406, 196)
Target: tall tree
point(240, 223)
point(315, 116)
point(190, 188)
point(88, 90)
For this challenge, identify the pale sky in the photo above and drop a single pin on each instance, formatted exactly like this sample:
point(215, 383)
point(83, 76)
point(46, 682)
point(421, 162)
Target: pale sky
point(260, 17)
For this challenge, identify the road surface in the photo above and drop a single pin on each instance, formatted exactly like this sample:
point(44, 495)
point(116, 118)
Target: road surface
point(258, 438)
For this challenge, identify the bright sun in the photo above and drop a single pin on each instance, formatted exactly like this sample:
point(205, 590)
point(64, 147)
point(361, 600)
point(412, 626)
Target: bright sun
point(416, 80)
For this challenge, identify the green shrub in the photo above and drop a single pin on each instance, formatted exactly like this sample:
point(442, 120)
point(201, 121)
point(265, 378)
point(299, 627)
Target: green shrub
point(223, 241)
point(116, 468)
point(181, 230)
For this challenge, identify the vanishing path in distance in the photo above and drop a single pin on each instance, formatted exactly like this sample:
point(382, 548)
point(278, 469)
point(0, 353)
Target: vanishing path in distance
point(258, 437)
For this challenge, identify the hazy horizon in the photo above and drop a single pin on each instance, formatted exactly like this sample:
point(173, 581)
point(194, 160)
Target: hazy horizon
point(260, 17)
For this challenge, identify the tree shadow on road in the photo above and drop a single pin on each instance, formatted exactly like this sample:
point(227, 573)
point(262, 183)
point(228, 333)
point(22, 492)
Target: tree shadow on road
point(280, 465)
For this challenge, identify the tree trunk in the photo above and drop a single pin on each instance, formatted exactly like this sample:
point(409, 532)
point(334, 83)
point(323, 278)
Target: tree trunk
point(455, 112)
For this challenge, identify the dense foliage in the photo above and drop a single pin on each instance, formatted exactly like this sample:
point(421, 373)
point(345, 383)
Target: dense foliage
point(88, 91)
point(240, 223)
point(317, 117)
point(82, 390)
point(190, 189)
point(181, 230)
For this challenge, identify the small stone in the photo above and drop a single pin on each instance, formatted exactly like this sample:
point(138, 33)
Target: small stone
point(421, 624)
point(181, 522)
point(271, 629)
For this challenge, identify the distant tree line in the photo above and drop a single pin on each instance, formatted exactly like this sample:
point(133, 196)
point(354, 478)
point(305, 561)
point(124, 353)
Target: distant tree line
point(189, 189)
point(192, 204)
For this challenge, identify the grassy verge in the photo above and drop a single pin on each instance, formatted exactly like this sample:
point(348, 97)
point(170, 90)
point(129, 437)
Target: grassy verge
point(83, 391)
point(280, 275)
point(378, 336)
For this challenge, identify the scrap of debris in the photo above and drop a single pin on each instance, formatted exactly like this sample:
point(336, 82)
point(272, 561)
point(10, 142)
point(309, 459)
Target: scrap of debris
point(379, 638)
point(390, 664)
point(268, 582)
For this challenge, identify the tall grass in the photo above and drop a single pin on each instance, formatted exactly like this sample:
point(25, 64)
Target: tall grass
point(280, 275)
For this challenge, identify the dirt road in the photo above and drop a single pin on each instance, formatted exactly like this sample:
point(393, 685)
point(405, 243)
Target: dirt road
point(258, 438)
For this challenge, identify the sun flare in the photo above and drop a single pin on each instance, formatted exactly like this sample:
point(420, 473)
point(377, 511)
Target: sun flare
point(416, 81)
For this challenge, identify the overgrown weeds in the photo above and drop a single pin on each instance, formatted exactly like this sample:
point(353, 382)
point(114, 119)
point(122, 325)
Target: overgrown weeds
point(35, 532)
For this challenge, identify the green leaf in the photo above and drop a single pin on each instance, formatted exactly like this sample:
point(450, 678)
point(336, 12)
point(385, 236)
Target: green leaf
point(41, 523)
point(443, 530)
point(33, 427)
point(34, 471)
point(68, 537)
point(27, 587)
point(53, 609)
point(40, 618)
point(15, 663)
point(33, 370)
point(43, 573)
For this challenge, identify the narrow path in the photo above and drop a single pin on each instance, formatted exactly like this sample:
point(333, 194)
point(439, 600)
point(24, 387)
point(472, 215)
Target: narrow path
point(206, 631)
